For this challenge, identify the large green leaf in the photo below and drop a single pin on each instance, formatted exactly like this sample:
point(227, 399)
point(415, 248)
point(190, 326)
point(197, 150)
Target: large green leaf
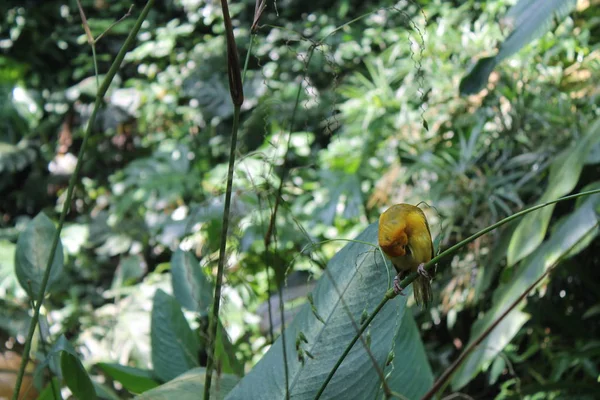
point(354, 283)
point(190, 386)
point(175, 346)
point(564, 175)
point(529, 19)
point(409, 373)
point(190, 285)
point(578, 226)
point(33, 251)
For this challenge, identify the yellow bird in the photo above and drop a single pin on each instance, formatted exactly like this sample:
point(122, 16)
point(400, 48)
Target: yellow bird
point(405, 238)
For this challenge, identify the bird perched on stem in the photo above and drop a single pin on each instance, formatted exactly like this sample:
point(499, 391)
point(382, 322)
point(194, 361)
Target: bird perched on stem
point(405, 239)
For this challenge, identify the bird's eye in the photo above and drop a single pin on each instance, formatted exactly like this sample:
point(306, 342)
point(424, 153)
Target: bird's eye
point(408, 251)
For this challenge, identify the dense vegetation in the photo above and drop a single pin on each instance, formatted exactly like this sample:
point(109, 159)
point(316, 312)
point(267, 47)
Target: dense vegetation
point(475, 108)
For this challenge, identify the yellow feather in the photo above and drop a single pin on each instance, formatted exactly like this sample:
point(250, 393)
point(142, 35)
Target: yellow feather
point(405, 238)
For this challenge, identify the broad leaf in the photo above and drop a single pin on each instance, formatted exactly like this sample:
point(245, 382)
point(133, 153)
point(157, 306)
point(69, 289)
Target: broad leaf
point(564, 175)
point(578, 226)
point(175, 346)
point(409, 373)
point(33, 252)
point(529, 19)
point(190, 386)
point(355, 282)
point(190, 285)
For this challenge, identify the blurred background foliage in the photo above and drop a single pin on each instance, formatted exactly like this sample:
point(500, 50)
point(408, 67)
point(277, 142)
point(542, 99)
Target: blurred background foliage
point(379, 120)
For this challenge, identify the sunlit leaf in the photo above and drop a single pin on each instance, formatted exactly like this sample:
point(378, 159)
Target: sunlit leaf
point(528, 20)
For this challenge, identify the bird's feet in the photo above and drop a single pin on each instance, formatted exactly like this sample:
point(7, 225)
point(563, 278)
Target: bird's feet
point(397, 287)
point(422, 271)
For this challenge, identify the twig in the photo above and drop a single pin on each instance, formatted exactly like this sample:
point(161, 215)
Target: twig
point(237, 97)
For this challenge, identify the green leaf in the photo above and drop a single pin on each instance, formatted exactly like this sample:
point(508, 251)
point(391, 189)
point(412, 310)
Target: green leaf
point(175, 346)
point(576, 227)
point(191, 287)
point(47, 393)
point(135, 380)
point(73, 372)
point(190, 386)
point(33, 251)
point(477, 78)
point(355, 281)
point(130, 269)
point(564, 175)
point(529, 20)
point(413, 382)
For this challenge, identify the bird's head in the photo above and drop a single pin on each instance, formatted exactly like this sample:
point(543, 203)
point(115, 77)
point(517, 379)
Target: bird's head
point(393, 240)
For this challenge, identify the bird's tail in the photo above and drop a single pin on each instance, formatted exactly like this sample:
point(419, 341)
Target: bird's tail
point(422, 290)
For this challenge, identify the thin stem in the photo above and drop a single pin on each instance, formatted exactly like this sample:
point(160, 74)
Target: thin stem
point(212, 322)
point(282, 316)
point(390, 294)
point(236, 90)
point(99, 96)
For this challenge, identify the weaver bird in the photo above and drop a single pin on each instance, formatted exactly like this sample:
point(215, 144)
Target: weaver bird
point(405, 239)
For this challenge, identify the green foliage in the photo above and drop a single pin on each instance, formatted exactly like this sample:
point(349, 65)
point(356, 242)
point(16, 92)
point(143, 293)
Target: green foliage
point(32, 254)
point(135, 380)
point(174, 346)
point(190, 285)
point(378, 121)
point(527, 20)
point(563, 177)
point(355, 283)
point(189, 386)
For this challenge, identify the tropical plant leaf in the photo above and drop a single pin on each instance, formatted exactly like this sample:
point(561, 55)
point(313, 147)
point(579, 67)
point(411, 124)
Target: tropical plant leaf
point(564, 175)
point(355, 282)
point(579, 225)
point(191, 286)
point(529, 19)
point(33, 251)
point(412, 382)
point(175, 346)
